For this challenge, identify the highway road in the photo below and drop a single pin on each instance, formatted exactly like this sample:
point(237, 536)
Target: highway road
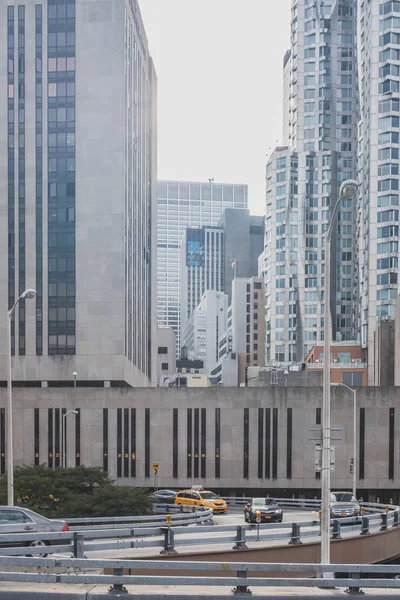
point(233, 518)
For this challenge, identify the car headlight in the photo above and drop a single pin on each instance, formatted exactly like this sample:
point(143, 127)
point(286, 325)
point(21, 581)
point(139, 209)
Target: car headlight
point(277, 512)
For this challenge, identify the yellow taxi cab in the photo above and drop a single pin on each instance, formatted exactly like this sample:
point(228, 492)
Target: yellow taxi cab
point(204, 498)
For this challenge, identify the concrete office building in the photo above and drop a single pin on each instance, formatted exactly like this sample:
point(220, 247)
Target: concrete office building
point(243, 440)
point(204, 328)
point(244, 338)
point(181, 205)
point(303, 181)
point(378, 219)
point(166, 355)
point(243, 244)
point(78, 110)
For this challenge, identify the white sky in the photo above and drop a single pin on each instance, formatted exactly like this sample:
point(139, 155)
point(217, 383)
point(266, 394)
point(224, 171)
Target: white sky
point(219, 68)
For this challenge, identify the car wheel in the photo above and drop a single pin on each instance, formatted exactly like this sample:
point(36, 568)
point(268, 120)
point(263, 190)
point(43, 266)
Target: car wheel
point(39, 544)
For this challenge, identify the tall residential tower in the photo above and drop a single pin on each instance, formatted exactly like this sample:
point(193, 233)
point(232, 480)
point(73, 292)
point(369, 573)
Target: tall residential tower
point(303, 180)
point(78, 110)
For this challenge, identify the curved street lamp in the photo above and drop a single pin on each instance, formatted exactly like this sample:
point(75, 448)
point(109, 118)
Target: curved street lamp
point(26, 295)
point(348, 189)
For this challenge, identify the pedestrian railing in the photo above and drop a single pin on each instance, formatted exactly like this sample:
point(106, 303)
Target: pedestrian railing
point(174, 534)
point(239, 576)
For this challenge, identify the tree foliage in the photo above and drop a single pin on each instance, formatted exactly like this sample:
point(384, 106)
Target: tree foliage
point(74, 492)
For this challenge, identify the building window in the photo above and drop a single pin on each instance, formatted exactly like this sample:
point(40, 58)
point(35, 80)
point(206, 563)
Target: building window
point(2, 440)
point(246, 443)
point(203, 448)
point(133, 442)
point(275, 434)
point(50, 437)
point(37, 438)
point(57, 437)
point(147, 442)
point(267, 443)
point(260, 442)
point(361, 461)
point(217, 443)
point(289, 438)
point(391, 443)
point(105, 439)
point(119, 442)
point(189, 443)
point(196, 441)
point(126, 442)
point(175, 454)
point(164, 366)
point(162, 350)
point(78, 438)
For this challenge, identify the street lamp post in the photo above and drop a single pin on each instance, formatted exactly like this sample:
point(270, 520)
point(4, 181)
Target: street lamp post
point(27, 294)
point(354, 433)
point(347, 190)
point(64, 437)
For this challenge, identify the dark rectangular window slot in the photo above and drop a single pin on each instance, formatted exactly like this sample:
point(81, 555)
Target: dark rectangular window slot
point(133, 442)
point(246, 443)
point(260, 443)
point(175, 454)
point(318, 422)
point(361, 461)
point(147, 442)
point(203, 441)
point(119, 442)
point(217, 443)
point(391, 443)
point(50, 437)
point(57, 437)
point(2, 440)
point(275, 443)
point(36, 437)
point(196, 442)
point(126, 442)
point(189, 443)
point(267, 443)
point(78, 438)
point(289, 441)
point(105, 439)
point(63, 438)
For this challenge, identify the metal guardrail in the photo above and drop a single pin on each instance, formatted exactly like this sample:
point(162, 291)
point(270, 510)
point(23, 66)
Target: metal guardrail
point(176, 534)
point(236, 575)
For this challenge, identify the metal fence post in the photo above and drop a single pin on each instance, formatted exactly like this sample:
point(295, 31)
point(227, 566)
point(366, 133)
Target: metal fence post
point(117, 588)
point(241, 589)
point(384, 519)
point(295, 539)
point(364, 526)
point(168, 541)
point(79, 545)
point(336, 530)
point(240, 538)
point(354, 589)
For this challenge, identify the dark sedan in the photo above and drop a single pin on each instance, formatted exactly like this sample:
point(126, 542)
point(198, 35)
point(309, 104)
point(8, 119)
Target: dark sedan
point(269, 511)
point(15, 519)
point(163, 496)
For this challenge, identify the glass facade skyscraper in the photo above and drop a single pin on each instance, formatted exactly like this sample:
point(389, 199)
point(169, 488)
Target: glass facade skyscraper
point(79, 110)
point(181, 205)
point(303, 180)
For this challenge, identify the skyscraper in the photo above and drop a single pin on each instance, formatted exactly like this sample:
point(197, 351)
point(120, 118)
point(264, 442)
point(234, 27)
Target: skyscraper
point(303, 181)
point(182, 205)
point(378, 223)
point(79, 109)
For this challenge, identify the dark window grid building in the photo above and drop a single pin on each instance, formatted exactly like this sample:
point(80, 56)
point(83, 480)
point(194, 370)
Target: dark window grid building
point(20, 68)
point(39, 177)
point(61, 177)
point(11, 166)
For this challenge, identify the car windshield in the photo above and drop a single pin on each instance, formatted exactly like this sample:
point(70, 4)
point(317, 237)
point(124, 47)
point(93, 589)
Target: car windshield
point(342, 497)
point(263, 502)
point(209, 496)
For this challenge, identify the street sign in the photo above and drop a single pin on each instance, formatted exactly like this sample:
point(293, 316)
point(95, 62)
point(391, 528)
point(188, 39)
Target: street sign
point(155, 468)
point(316, 433)
point(318, 458)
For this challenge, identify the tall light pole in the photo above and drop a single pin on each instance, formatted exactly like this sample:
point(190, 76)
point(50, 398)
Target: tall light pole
point(27, 294)
point(75, 375)
point(347, 190)
point(64, 437)
point(354, 433)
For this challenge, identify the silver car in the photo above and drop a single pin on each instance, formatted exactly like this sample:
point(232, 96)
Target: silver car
point(344, 504)
point(14, 519)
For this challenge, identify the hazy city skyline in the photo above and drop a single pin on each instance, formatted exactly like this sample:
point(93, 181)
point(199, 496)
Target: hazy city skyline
point(219, 71)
